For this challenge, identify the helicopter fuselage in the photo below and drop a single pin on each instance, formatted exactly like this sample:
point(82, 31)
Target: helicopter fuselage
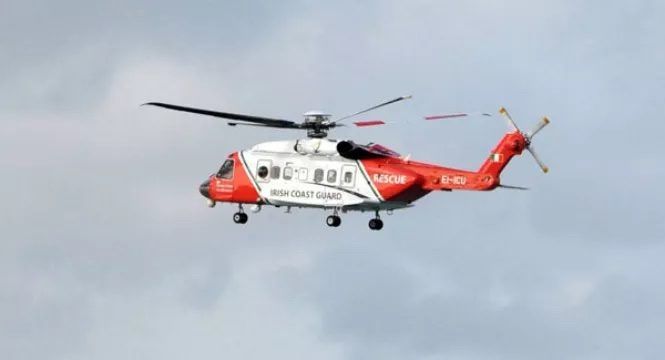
point(318, 172)
point(314, 173)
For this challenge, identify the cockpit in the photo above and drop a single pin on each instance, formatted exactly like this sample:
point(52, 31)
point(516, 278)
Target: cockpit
point(226, 171)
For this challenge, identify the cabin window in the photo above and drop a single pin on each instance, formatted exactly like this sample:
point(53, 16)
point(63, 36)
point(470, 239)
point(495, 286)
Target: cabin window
point(302, 174)
point(274, 172)
point(332, 176)
point(348, 177)
point(318, 175)
point(262, 172)
point(226, 171)
point(288, 173)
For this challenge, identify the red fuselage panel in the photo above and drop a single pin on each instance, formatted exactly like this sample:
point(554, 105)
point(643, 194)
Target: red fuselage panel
point(392, 181)
point(239, 188)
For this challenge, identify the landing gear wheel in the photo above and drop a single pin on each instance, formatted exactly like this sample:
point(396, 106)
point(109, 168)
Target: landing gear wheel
point(376, 224)
point(240, 218)
point(333, 221)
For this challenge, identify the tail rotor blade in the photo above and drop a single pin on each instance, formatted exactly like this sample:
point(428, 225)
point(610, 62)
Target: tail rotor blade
point(505, 114)
point(543, 122)
point(540, 162)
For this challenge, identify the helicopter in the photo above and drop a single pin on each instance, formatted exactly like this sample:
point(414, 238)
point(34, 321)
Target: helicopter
point(339, 176)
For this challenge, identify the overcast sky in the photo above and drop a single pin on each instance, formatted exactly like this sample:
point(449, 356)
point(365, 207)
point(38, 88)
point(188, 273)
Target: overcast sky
point(107, 250)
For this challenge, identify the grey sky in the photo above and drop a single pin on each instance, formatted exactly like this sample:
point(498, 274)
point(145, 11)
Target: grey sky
point(107, 250)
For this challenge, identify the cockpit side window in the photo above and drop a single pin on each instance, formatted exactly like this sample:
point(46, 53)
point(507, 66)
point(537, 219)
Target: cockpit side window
point(226, 171)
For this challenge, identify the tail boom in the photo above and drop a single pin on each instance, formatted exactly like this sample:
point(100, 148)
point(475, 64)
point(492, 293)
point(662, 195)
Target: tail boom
point(446, 179)
point(486, 178)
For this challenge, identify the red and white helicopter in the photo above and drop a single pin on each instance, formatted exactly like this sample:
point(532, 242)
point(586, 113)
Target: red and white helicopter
point(341, 176)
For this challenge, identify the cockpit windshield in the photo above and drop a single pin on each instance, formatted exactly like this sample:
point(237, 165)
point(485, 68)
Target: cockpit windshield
point(226, 171)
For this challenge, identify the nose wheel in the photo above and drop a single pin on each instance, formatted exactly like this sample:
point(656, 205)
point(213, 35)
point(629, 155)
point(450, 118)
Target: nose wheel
point(240, 217)
point(376, 223)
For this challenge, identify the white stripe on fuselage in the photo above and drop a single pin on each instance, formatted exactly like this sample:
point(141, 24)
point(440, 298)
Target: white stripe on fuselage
point(307, 192)
point(369, 181)
point(250, 175)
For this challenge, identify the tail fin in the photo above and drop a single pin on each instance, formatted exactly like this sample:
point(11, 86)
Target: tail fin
point(510, 145)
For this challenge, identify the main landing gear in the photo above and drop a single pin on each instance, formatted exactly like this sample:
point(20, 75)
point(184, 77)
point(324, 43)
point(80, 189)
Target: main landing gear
point(240, 217)
point(376, 223)
point(334, 220)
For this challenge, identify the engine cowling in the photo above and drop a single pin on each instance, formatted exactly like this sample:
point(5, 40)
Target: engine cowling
point(315, 147)
point(353, 151)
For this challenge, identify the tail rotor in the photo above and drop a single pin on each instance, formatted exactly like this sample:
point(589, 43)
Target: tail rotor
point(528, 136)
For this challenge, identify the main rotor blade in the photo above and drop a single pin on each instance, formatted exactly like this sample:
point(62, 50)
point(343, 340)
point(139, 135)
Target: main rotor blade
point(279, 123)
point(375, 107)
point(369, 123)
point(453, 116)
point(233, 123)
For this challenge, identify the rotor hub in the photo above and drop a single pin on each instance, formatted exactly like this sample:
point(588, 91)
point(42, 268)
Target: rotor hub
point(317, 124)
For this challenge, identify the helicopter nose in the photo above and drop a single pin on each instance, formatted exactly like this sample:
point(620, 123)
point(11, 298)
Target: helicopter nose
point(204, 189)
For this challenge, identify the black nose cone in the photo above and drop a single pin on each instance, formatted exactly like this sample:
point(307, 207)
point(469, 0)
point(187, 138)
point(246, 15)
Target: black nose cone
point(204, 189)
